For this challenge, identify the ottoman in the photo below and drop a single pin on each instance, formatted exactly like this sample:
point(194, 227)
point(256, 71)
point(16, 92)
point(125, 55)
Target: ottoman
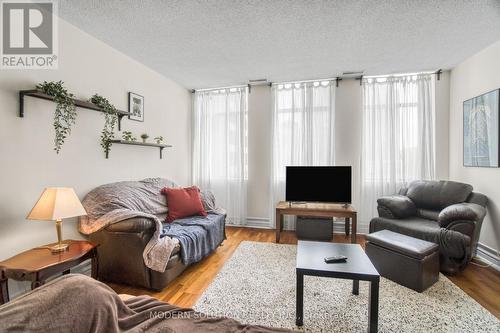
point(408, 261)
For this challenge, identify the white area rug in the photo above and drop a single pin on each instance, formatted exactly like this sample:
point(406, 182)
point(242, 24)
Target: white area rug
point(257, 286)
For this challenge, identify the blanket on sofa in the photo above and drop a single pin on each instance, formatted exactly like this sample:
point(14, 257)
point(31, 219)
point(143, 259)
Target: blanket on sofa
point(115, 202)
point(79, 304)
point(199, 235)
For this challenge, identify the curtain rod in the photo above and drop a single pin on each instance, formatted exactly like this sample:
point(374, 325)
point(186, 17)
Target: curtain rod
point(219, 88)
point(306, 81)
point(360, 78)
point(438, 73)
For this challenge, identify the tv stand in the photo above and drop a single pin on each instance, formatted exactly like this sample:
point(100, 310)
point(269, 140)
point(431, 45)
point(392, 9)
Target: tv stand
point(316, 209)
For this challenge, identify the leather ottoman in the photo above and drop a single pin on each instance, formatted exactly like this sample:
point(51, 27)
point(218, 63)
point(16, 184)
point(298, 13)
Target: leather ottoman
point(408, 261)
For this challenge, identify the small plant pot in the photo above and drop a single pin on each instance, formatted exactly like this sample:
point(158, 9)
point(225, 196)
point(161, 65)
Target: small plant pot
point(144, 140)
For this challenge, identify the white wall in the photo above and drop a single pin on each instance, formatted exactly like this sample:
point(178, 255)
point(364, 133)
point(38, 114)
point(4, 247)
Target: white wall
point(348, 131)
point(442, 102)
point(348, 126)
point(28, 161)
point(259, 154)
point(475, 76)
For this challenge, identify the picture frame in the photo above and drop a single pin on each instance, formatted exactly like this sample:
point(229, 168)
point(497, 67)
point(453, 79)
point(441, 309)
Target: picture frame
point(135, 107)
point(481, 126)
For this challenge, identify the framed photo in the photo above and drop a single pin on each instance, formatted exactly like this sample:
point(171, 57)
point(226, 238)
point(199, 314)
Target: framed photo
point(481, 127)
point(135, 107)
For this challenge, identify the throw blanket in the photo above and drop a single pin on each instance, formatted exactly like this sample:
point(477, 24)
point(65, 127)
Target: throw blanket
point(198, 235)
point(454, 245)
point(112, 203)
point(78, 304)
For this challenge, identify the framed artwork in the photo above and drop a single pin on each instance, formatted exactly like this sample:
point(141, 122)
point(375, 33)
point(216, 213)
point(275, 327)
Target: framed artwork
point(135, 107)
point(481, 126)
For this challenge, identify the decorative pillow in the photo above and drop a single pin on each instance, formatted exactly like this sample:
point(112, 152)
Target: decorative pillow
point(183, 202)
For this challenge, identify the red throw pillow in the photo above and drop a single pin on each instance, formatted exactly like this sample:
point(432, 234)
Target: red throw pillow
point(183, 202)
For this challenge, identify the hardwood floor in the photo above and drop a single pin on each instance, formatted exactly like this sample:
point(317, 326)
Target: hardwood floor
point(482, 284)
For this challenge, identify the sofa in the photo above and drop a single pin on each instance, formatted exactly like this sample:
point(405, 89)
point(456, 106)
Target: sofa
point(122, 243)
point(447, 213)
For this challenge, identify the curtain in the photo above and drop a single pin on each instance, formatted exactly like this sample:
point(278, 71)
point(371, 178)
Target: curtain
point(220, 148)
point(302, 132)
point(398, 143)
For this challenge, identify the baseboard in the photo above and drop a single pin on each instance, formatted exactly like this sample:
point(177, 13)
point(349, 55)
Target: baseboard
point(254, 222)
point(488, 255)
point(84, 268)
point(264, 223)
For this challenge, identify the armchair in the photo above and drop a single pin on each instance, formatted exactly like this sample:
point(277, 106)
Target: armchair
point(443, 212)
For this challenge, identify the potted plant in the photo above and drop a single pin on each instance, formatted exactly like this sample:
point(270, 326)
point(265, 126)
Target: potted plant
point(127, 136)
point(110, 120)
point(158, 139)
point(144, 137)
point(65, 113)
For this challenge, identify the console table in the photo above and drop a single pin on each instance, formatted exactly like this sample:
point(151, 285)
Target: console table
point(315, 209)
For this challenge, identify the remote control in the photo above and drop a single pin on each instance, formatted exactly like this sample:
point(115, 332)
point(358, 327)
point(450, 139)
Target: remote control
point(335, 259)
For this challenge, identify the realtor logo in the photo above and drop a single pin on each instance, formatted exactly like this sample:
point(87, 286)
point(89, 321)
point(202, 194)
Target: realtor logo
point(29, 34)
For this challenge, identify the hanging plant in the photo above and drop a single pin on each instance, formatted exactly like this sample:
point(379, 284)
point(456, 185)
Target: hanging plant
point(110, 120)
point(65, 114)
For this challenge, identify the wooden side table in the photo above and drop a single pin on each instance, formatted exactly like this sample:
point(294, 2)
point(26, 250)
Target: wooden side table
point(38, 264)
point(317, 210)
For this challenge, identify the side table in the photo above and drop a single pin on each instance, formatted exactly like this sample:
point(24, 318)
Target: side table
point(38, 264)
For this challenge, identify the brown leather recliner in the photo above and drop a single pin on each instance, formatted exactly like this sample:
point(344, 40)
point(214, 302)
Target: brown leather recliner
point(120, 255)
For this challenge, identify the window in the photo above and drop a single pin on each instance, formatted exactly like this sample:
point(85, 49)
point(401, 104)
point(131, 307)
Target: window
point(220, 147)
point(303, 130)
point(398, 136)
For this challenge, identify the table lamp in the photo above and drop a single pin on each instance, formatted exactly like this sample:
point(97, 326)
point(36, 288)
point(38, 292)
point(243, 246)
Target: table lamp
point(55, 204)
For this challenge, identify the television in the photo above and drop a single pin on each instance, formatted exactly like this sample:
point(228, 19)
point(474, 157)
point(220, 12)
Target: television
point(318, 184)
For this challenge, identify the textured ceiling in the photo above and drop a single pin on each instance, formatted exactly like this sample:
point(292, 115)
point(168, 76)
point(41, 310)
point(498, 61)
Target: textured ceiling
point(217, 43)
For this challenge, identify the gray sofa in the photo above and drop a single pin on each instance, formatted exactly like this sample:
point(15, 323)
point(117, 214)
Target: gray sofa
point(447, 213)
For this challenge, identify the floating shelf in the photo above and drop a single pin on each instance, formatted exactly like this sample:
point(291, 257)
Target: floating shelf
point(79, 103)
point(136, 143)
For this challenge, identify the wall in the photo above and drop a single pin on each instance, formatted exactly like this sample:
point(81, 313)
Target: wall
point(475, 76)
point(348, 128)
point(28, 161)
point(259, 155)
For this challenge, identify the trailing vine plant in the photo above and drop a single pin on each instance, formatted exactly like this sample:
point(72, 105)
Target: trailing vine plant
point(65, 113)
point(110, 120)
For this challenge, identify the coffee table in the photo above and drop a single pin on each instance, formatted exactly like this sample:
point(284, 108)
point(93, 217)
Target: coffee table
point(310, 261)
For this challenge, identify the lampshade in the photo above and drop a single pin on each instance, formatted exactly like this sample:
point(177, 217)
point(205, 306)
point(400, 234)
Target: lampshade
point(57, 203)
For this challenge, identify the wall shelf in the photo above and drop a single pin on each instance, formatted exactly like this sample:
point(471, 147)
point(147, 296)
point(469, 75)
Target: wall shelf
point(78, 103)
point(145, 144)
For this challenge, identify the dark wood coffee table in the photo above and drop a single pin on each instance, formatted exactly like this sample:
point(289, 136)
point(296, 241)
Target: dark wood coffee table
point(310, 261)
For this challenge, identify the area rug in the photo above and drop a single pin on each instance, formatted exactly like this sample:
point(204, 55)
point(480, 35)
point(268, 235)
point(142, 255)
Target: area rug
point(257, 286)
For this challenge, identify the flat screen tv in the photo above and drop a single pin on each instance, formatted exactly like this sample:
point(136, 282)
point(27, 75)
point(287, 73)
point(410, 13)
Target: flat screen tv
point(318, 184)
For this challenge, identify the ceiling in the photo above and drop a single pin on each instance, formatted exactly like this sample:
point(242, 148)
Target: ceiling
point(212, 43)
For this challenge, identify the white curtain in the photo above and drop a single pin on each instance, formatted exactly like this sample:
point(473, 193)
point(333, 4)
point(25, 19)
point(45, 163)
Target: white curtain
point(302, 132)
point(398, 143)
point(220, 153)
